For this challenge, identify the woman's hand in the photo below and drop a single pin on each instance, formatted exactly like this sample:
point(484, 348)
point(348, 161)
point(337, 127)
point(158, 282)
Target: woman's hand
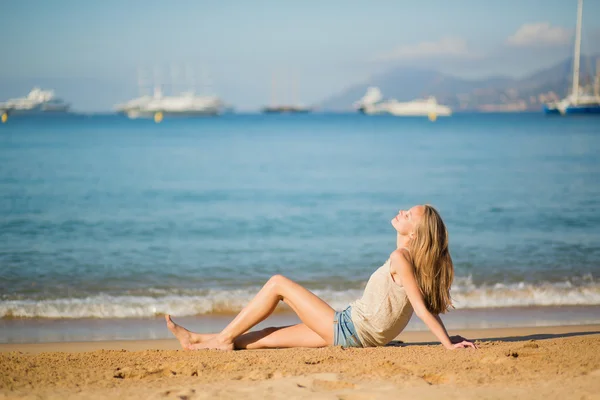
point(459, 342)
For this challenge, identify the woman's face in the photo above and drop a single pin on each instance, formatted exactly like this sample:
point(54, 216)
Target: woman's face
point(407, 221)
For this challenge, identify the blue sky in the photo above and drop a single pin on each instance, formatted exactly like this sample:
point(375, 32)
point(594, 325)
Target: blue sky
point(91, 51)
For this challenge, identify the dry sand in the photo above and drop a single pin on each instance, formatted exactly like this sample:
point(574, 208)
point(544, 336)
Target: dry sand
point(523, 363)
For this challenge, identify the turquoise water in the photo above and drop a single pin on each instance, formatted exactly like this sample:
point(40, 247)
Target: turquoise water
point(106, 217)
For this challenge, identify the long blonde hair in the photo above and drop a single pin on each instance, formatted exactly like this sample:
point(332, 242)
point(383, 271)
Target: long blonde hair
point(431, 258)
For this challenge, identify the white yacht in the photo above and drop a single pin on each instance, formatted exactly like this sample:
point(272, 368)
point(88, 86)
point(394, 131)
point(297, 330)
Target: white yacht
point(186, 104)
point(372, 103)
point(37, 101)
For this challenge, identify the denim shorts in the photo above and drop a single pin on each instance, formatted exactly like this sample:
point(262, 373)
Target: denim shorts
point(344, 333)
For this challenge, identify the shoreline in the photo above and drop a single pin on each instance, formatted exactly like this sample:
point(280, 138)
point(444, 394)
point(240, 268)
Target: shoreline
point(535, 363)
point(44, 330)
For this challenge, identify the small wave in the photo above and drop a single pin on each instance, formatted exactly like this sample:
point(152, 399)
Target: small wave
point(582, 291)
point(158, 301)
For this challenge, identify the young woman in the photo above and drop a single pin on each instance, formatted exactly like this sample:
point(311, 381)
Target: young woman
point(417, 276)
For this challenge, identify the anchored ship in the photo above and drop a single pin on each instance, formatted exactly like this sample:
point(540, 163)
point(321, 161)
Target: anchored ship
point(159, 106)
point(282, 88)
point(372, 103)
point(38, 101)
point(581, 100)
point(286, 109)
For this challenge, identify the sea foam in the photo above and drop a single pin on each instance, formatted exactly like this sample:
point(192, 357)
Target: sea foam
point(465, 295)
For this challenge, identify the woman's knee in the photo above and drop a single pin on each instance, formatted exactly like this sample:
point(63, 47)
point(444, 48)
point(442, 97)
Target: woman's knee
point(277, 281)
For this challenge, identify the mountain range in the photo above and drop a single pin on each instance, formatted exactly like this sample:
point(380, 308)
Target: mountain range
point(498, 93)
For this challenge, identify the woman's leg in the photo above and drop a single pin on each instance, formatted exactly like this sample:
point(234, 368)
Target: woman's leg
point(298, 335)
point(315, 314)
point(269, 338)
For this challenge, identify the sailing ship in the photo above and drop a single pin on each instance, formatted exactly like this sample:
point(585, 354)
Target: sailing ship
point(580, 101)
point(279, 108)
point(158, 105)
point(185, 104)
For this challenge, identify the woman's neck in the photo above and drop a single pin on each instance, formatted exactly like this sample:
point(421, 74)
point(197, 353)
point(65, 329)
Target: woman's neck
point(402, 241)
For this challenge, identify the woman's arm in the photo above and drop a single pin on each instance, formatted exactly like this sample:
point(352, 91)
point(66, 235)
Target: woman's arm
point(457, 340)
point(404, 269)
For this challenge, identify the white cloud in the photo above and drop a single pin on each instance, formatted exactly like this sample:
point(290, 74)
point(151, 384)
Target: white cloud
point(446, 46)
point(539, 34)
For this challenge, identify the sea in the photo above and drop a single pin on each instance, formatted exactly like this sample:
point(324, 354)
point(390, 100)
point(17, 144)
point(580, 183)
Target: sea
point(107, 224)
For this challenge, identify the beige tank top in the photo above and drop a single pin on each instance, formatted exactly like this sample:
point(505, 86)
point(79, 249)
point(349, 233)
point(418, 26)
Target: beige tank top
point(383, 311)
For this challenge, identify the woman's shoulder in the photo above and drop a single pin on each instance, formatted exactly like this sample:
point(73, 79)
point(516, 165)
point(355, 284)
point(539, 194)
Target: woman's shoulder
point(398, 258)
point(400, 254)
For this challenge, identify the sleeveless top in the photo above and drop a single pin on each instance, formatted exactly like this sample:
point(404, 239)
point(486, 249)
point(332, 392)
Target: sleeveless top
point(383, 311)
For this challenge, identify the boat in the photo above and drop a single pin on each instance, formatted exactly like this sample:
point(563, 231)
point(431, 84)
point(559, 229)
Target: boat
point(185, 104)
point(286, 110)
point(581, 100)
point(581, 104)
point(372, 103)
point(38, 101)
point(288, 87)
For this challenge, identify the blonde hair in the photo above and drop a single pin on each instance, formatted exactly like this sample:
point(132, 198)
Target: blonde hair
point(431, 258)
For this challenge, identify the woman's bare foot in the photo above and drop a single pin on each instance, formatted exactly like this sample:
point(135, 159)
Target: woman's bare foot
point(184, 336)
point(213, 343)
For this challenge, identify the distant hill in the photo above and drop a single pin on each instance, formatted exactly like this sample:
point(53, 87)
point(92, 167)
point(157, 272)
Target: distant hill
point(496, 93)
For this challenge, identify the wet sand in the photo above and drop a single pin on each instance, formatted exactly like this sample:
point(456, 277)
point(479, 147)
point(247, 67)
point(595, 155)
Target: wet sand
point(533, 363)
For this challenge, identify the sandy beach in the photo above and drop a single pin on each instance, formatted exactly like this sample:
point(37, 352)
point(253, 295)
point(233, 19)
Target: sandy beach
point(533, 363)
